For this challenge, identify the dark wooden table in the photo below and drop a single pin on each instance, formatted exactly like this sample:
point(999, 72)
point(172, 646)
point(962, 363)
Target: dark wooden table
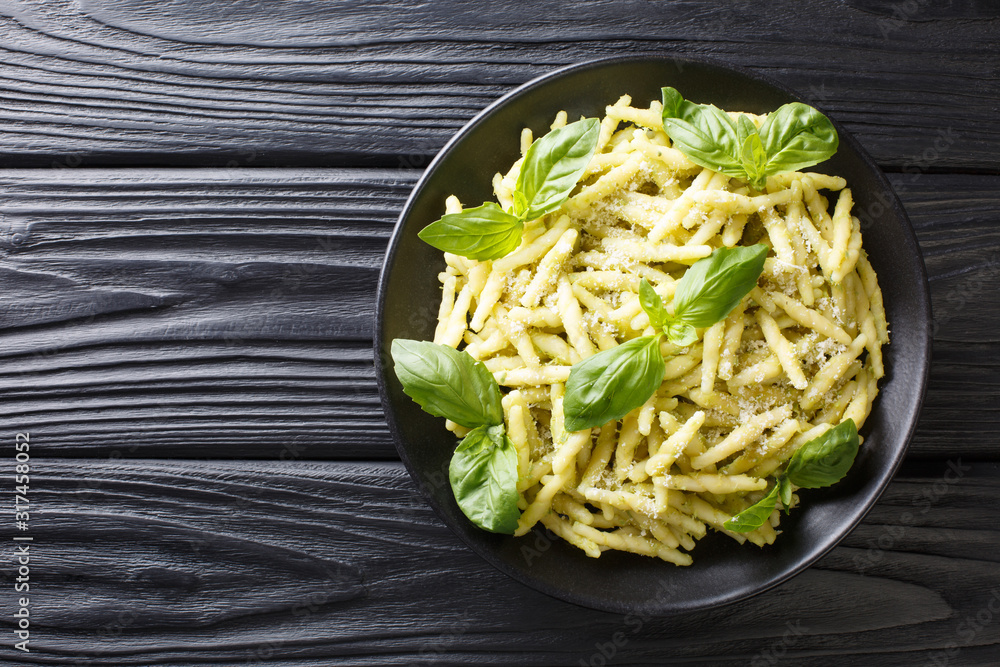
point(196, 198)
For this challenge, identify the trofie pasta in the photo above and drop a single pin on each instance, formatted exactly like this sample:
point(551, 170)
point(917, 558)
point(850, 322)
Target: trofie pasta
point(798, 355)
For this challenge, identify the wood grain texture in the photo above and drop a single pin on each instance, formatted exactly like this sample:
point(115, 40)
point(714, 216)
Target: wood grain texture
point(228, 313)
point(209, 312)
point(308, 563)
point(305, 83)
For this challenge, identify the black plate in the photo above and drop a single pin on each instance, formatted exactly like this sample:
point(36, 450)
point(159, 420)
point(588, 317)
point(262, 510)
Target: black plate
point(723, 571)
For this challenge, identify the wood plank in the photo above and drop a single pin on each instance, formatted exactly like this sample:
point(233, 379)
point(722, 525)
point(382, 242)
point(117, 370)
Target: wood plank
point(298, 83)
point(211, 313)
point(196, 310)
point(305, 563)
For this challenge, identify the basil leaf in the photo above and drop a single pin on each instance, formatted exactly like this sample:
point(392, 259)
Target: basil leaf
point(824, 460)
point(754, 516)
point(713, 286)
point(483, 476)
point(744, 129)
point(754, 162)
point(752, 153)
point(520, 204)
point(792, 137)
point(652, 304)
point(447, 383)
point(612, 383)
point(796, 136)
point(484, 232)
point(785, 492)
point(554, 164)
point(703, 132)
point(820, 462)
point(681, 334)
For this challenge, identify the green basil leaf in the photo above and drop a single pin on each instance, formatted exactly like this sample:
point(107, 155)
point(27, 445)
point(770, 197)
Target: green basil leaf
point(796, 136)
point(520, 204)
point(484, 232)
point(754, 516)
point(497, 434)
point(791, 138)
point(703, 132)
point(785, 492)
point(754, 162)
point(554, 164)
point(483, 476)
point(612, 383)
point(752, 154)
point(713, 286)
point(652, 304)
point(824, 460)
point(681, 334)
point(447, 383)
point(744, 128)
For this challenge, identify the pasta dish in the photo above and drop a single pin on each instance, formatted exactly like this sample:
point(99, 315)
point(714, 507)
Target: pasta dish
point(798, 355)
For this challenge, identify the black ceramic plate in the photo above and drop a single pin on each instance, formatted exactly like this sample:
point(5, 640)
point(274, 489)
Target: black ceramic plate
point(723, 571)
